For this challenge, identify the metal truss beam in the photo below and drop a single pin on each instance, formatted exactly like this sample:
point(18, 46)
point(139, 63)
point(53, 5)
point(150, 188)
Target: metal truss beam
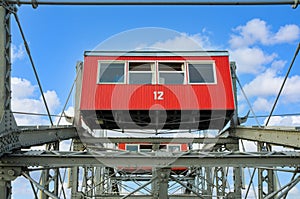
point(148, 197)
point(157, 160)
point(273, 135)
point(154, 2)
point(34, 137)
point(221, 140)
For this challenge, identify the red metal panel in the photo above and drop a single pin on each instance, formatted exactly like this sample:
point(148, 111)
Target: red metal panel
point(184, 147)
point(121, 146)
point(141, 97)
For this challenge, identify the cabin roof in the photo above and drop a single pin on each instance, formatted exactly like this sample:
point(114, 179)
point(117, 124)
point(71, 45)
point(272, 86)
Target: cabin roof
point(157, 53)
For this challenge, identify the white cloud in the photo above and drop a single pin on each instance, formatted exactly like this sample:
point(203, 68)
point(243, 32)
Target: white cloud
point(284, 121)
point(185, 41)
point(251, 60)
point(265, 84)
point(22, 88)
point(258, 31)
point(268, 84)
point(17, 52)
point(254, 30)
point(247, 41)
point(51, 99)
point(25, 100)
point(286, 34)
point(262, 104)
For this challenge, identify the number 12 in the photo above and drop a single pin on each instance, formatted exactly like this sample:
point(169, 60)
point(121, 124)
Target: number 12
point(158, 95)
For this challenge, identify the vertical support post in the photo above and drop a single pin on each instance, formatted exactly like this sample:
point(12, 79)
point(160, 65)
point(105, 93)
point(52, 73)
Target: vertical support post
point(237, 176)
point(5, 189)
point(160, 184)
point(44, 181)
point(220, 176)
point(77, 145)
point(207, 192)
point(79, 73)
point(266, 180)
point(74, 177)
point(234, 121)
point(73, 181)
point(7, 120)
point(7, 175)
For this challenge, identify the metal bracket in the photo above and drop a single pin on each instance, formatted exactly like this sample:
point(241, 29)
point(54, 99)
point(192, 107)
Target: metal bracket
point(9, 173)
point(295, 5)
point(34, 4)
point(8, 122)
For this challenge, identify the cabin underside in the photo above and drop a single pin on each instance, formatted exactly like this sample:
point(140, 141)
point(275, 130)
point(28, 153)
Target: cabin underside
point(156, 119)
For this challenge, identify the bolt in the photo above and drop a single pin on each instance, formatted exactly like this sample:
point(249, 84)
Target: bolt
point(11, 172)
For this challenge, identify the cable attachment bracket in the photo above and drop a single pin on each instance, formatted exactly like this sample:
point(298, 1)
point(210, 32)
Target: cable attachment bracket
point(295, 5)
point(34, 4)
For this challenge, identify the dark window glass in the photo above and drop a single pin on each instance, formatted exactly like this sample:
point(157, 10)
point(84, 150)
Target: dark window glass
point(111, 73)
point(171, 78)
point(141, 73)
point(140, 78)
point(173, 148)
point(171, 73)
point(170, 66)
point(201, 73)
point(137, 66)
point(132, 148)
point(146, 148)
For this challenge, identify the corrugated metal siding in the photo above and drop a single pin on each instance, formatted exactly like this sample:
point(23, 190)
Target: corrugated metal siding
point(141, 97)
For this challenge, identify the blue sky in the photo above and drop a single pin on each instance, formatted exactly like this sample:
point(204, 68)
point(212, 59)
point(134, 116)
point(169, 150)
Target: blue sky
point(261, 39)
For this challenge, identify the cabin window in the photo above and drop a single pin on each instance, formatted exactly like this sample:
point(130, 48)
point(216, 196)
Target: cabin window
point(111, 72)
point(173, 148)
point(201, 73)
point(171, 72)
point(145, 148)
point(132, 147)
point(141, 73)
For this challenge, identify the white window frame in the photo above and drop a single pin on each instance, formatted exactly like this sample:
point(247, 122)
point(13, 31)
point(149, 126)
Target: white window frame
point(170, 61)
point(203, 62)
point(153, 72)
point(108, 62)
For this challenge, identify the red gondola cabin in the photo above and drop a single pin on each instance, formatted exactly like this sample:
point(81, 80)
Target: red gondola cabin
point(156, 90)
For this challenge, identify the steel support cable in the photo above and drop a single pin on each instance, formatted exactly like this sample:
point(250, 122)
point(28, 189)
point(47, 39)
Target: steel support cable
point(62, 191)
point(33, 66)
point(68, 98)
point(251, 178)
point(35, 3)
point(248, 102)
point(40, 187)
point(139, 188)
point(64, 177)
point(33, 189)
point(293, 177)
point(185, 186)
point(287, 188)
point(283, 83)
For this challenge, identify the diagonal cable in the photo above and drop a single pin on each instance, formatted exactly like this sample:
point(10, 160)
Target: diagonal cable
point(68, 98)
point(33, 66)
point(248, 102)
point(283, 83)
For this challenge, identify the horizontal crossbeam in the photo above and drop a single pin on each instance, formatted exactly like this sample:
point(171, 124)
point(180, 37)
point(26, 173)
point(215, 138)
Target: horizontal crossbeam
point(274, 135)
point(34, 137)
point(153, 159)
point(158, 140)
point(154, 2)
